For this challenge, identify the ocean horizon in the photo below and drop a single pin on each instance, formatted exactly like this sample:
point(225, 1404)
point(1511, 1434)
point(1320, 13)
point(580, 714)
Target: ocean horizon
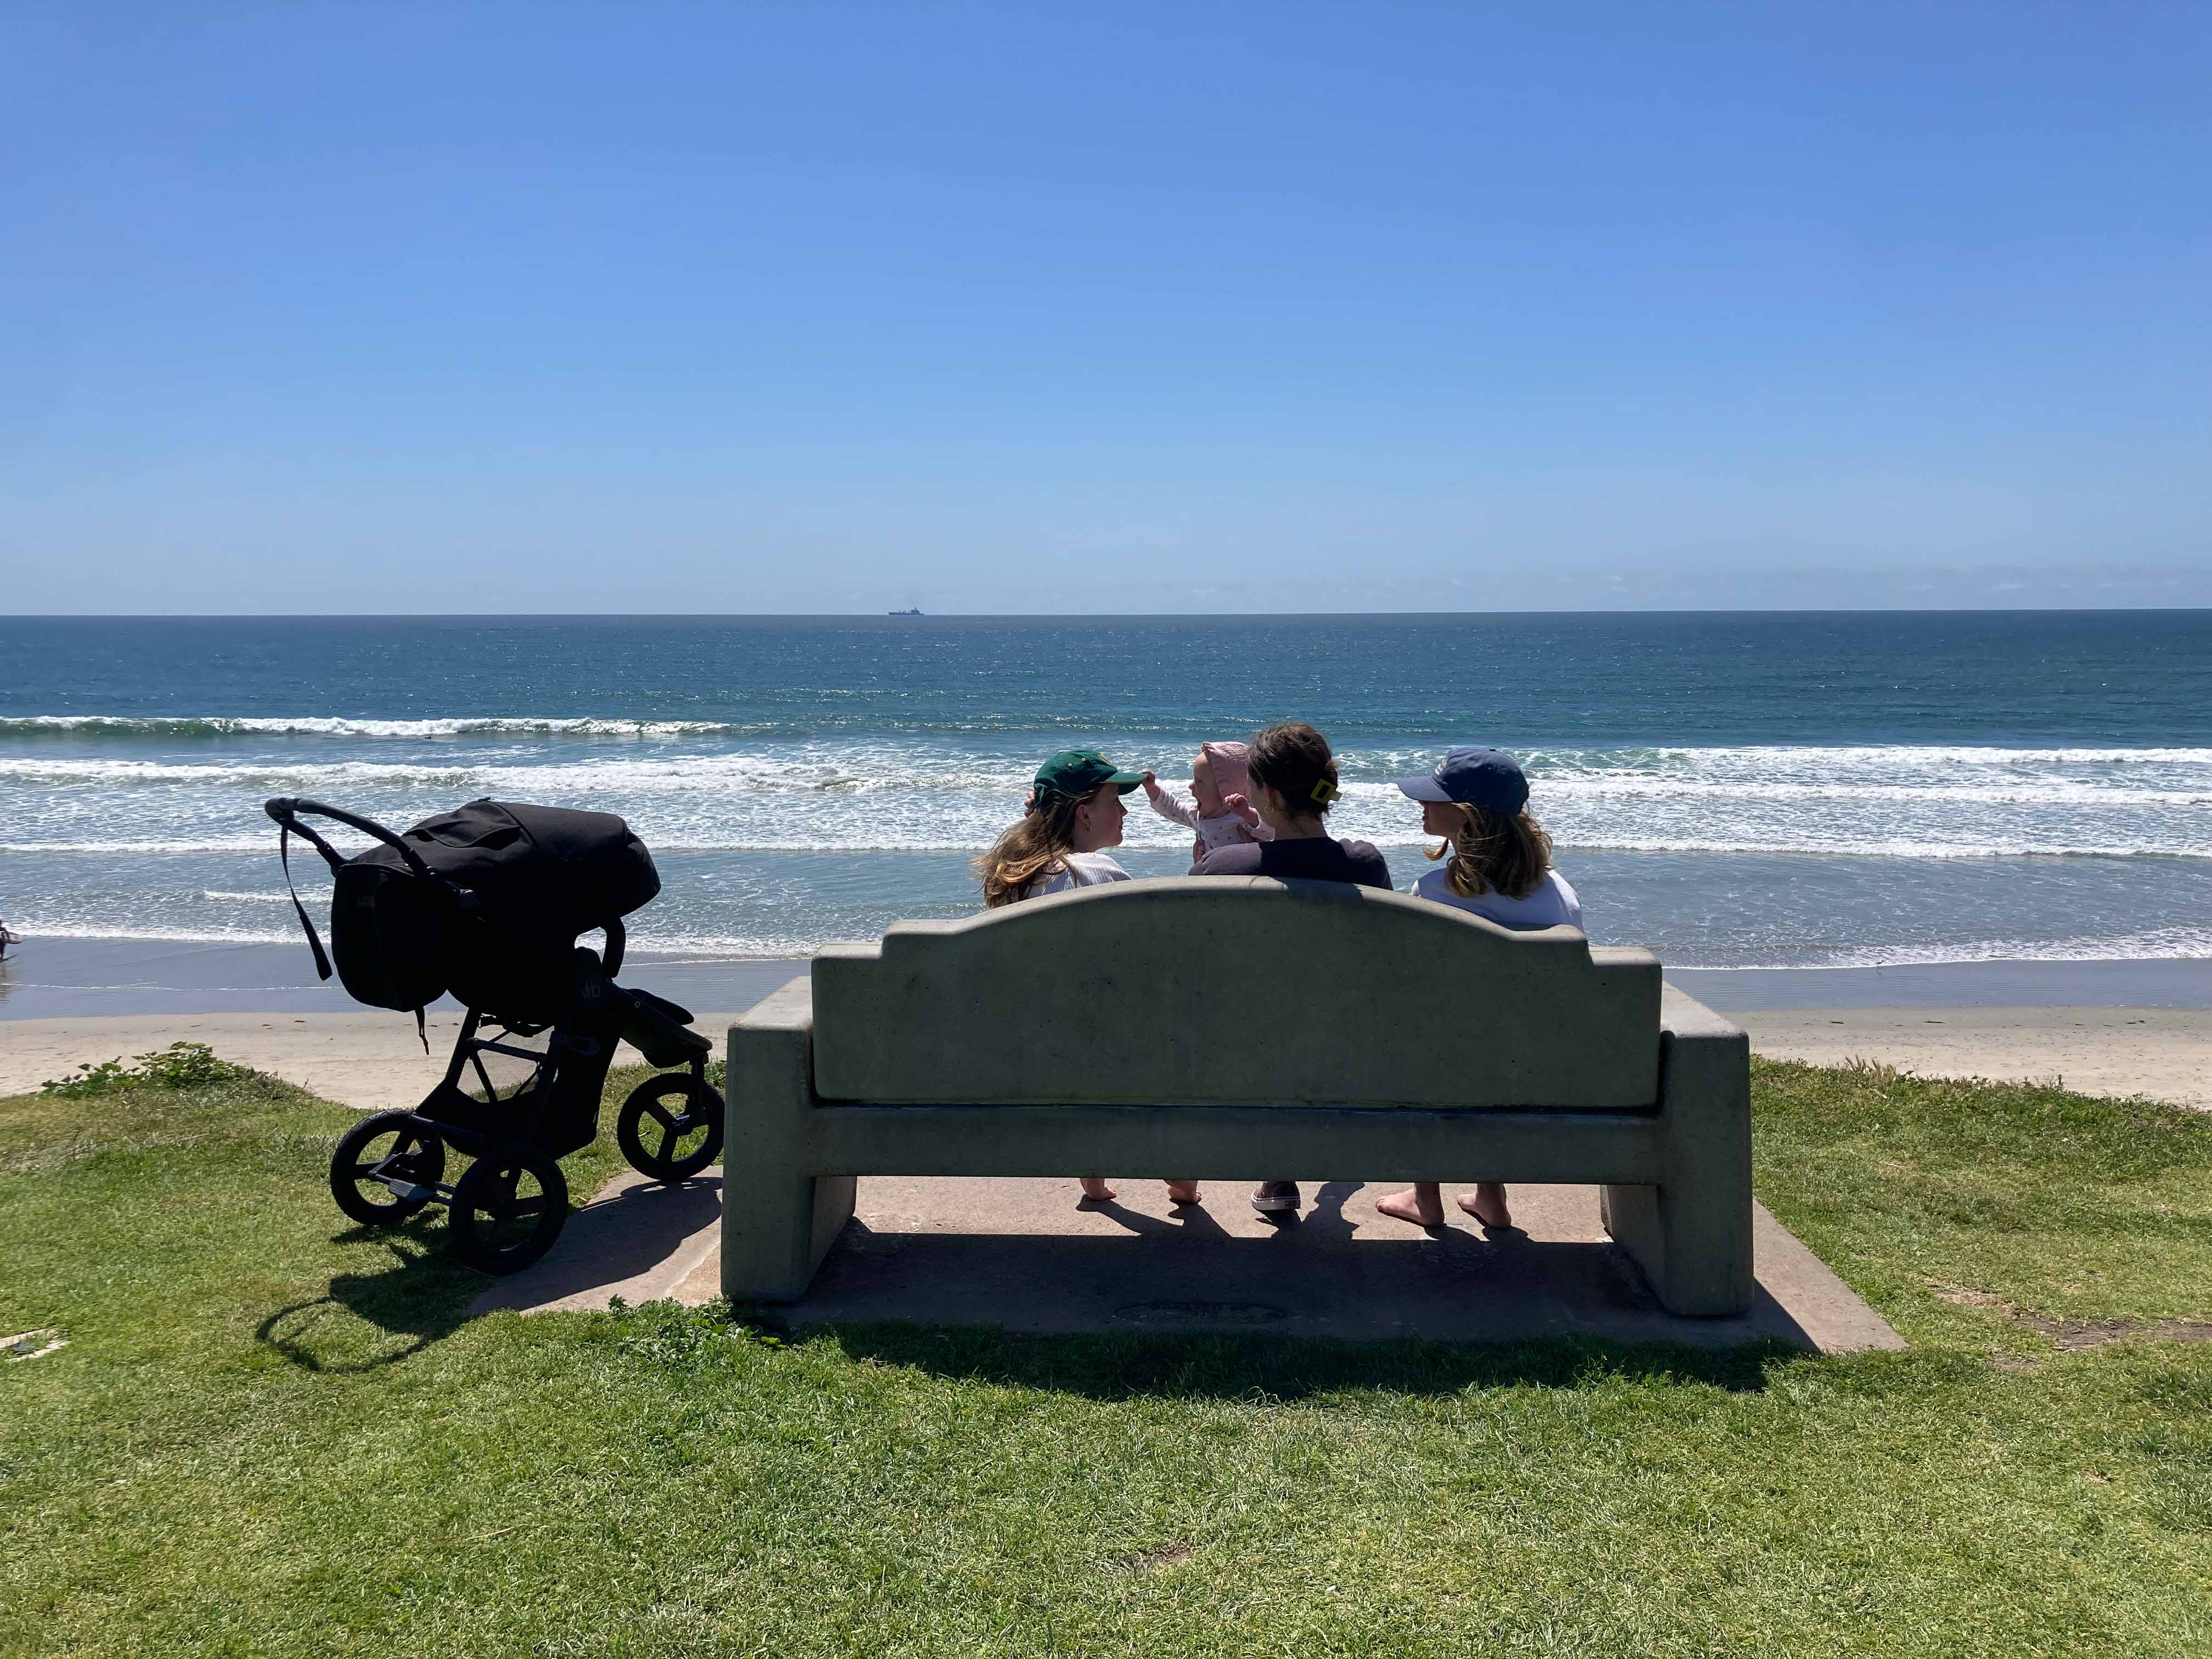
point(1736, 790)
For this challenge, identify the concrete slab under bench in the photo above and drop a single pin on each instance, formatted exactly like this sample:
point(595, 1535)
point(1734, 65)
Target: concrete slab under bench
point(1021, 1254)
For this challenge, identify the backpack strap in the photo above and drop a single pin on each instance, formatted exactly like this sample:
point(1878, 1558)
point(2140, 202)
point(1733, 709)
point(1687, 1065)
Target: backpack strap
point(286, 809)
point(285, 826)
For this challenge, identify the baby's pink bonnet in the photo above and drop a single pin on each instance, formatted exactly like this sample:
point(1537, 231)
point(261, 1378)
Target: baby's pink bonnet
point(1232, 774)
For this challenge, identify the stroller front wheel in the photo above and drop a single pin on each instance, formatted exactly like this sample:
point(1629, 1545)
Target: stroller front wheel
point(385, 1169)
point(671, 1126)
point(509, 1207)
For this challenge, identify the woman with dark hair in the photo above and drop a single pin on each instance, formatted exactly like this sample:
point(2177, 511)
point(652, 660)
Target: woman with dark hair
point(1074, 813)
point(1495, 862)
point(1293, 774)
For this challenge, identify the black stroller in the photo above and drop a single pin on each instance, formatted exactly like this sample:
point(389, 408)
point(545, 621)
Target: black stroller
point(488, 901)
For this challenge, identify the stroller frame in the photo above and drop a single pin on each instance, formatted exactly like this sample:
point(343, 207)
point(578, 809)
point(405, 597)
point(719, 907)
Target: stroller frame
point(508, 1206)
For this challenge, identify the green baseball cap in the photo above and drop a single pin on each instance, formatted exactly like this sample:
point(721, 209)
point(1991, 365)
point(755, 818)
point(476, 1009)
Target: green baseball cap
point(1077, 772)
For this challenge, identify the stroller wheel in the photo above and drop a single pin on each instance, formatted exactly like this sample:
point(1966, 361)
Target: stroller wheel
point(385, 1169)
point(509, 1207)
point(671, 1126)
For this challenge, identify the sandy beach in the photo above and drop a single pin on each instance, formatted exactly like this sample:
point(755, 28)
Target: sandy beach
point(373, 1060)
point(2165, 1054)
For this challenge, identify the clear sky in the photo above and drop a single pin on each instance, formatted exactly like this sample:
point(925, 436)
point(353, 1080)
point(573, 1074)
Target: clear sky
point(760, 306)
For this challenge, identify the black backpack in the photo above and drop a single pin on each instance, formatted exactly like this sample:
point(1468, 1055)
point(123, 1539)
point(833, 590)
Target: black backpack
point(485, 901)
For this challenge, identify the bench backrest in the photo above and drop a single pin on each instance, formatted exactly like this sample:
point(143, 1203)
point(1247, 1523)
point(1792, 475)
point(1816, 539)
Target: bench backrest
point(1236, 989)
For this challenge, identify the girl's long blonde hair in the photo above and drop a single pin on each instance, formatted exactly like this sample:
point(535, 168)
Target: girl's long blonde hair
point(1493, 852)
point(1037, 847)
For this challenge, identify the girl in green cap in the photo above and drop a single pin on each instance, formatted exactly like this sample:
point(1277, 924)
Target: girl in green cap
point(1074, 813)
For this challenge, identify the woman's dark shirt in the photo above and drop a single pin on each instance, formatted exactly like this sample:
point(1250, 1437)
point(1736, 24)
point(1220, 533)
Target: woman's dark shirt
point(1311, 858)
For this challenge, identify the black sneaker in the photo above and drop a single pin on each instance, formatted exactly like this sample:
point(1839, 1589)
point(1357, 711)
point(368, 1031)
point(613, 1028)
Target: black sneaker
point(1274, 1197)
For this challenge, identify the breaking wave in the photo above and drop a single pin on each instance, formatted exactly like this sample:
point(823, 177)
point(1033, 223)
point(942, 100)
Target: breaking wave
point(800, 833)
point(338, 725)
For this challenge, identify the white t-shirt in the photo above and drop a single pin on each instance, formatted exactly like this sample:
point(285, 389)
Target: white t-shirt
point(1553, 903)
point(1082, 869)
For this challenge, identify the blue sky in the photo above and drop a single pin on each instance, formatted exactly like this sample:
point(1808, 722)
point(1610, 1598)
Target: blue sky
point(1266, 307)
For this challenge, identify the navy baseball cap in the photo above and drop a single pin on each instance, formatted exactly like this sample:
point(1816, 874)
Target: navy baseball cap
point(1473, 777)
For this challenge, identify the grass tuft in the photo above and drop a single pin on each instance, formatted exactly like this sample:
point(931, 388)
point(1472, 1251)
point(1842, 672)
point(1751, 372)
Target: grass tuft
point(179, 1066)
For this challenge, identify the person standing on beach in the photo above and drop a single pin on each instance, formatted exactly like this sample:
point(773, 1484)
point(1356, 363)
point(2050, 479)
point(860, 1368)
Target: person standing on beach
point(1074, 813)
point(1293, 773)
point(1497, 865)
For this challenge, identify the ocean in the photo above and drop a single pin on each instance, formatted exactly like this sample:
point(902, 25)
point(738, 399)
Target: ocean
point(1735, 790)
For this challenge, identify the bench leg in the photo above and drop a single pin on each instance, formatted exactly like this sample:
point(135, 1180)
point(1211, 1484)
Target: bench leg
point(778, 1220)
point(776, 1228)
point(1691, 1234)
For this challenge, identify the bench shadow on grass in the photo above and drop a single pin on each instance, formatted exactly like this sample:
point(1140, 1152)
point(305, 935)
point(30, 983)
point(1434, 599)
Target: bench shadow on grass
point(366, 1321)
point(1302, 1273)
point(1263, 1367)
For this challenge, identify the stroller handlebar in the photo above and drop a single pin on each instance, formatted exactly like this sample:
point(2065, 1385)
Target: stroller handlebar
point(285, 809)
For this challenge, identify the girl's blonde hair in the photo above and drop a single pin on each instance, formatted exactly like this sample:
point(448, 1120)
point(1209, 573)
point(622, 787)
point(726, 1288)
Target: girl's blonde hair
point(1493, 852)
point(1036, 847)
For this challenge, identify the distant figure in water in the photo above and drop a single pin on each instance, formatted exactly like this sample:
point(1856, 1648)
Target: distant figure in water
point(1221, 813)
point(6, 938)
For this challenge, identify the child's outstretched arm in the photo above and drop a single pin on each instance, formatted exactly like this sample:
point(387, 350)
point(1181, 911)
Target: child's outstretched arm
point(1168, 806)
point(1249, 817)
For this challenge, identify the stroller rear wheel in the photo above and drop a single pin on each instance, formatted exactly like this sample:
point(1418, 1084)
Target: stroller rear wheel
point(509, 1207)
point(385, 1169)
point(671, 1126)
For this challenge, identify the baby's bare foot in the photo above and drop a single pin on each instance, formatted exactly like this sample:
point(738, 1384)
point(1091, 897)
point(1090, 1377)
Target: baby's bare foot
point(1419, 1204)
point(1183, 1192)
point(1095, 1188)
point(1486, 1203)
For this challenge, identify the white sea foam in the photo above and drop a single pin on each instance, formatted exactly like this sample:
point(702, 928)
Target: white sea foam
point(2163, 945)
point(147, 849)
point(34, 928)
point(334, 725)
point(2179, 777)
point(2160, 944)
point(1843, 845)
point(793, 842)
point(846, 772)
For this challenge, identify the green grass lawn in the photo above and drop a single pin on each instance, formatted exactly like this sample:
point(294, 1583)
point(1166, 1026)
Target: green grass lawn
point(273, 1433)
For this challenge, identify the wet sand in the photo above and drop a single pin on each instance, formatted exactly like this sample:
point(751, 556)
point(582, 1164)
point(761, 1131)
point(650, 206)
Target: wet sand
point(47, 978)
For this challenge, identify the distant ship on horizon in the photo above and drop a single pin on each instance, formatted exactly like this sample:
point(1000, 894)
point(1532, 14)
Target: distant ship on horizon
point(913, 611)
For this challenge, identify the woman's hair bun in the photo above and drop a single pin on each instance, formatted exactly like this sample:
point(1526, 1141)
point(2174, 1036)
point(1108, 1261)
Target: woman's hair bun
point(1295, 761)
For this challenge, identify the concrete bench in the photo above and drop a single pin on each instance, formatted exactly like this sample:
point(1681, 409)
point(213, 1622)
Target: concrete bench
point(1234, 1030)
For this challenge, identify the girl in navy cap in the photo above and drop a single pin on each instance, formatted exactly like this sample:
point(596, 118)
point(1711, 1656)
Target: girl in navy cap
point(1498, 860)
point(1495, 860)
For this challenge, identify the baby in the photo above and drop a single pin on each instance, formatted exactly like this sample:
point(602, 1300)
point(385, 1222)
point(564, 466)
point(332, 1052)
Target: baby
point(1219, 783)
